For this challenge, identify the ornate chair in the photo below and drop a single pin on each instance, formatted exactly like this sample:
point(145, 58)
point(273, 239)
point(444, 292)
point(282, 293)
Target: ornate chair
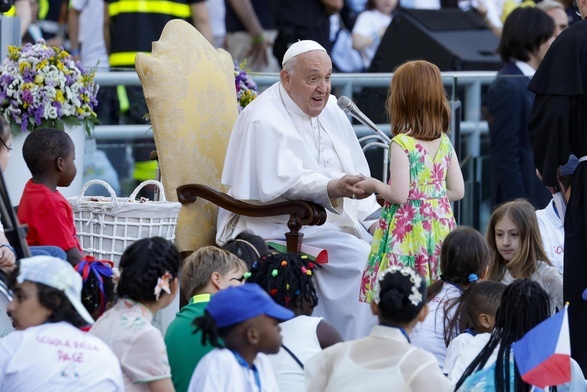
point(190, 92)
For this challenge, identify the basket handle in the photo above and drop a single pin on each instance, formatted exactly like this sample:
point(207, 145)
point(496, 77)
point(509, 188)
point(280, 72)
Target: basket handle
point(134, 193)
point(98, 182)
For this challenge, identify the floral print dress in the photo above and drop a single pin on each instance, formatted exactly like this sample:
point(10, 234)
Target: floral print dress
point(412, 233)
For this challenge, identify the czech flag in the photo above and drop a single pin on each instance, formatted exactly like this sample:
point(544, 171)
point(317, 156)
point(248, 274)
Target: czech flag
point(543, 355)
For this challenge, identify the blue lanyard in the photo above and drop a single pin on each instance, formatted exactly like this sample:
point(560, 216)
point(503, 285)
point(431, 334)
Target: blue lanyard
point(403, 331)
point(555, 209)
point(245, 364)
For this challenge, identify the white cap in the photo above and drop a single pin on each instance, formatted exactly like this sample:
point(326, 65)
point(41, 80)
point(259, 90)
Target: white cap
point(301, 47)
point(57, 273)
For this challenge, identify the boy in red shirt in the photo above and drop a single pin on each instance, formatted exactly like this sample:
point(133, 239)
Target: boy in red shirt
point(49, 154)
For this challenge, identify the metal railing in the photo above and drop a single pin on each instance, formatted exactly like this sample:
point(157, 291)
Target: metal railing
point(464, 87)
point(471, 83)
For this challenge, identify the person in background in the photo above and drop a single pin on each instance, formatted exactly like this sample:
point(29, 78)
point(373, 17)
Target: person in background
point(250, 32)
point(556, 11)
point(385, 358)
point(481, 304)
point(248, 246)
point(48, 351)
point(303, 20)
point(572, 11)
point(24, 10)
point(49, 154)
point(123, 20)
point(527, 35)
point(551, 219)
point(288, 278)
point(557, 130)
point(370, 26)
point(204, 273)
point(148, 282)
point(315, 156)
point(242, 322)
point(86, 34)
point(217, 12)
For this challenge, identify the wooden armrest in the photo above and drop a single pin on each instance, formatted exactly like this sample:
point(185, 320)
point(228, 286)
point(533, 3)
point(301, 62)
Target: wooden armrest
point(302, 213)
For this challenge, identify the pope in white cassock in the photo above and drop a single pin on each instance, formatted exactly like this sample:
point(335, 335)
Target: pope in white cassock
point(293, 142)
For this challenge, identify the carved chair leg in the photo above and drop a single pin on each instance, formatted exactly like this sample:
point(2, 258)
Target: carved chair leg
point(294, 238)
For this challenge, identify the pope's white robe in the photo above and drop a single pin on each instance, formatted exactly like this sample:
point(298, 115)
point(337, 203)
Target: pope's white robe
point(276, 152)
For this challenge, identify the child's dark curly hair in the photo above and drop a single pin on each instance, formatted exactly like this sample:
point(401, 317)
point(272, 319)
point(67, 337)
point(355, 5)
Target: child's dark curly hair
point(141, 266)
point(287, 277)
point(42, 147)
point(211, 334)
point(401, 295)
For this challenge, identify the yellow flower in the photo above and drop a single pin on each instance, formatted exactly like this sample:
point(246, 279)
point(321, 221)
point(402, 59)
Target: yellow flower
point(13, 52)
point(22, 66)
point(59, 96)
point(39, 79)
point(42, 64)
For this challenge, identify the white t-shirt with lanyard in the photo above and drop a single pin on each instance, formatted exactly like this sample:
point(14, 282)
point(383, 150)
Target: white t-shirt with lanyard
point(224, 370)
point(552, 231)
point(429, 335)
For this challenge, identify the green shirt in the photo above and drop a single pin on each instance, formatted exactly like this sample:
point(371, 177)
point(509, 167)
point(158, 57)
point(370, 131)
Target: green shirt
point(184, 347)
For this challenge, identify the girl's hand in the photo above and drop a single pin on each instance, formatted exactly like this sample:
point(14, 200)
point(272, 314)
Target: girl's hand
point(369, 185)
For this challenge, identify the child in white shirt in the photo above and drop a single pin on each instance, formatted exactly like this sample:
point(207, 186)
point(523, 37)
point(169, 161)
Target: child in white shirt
point(247, 320)
point(481, 304)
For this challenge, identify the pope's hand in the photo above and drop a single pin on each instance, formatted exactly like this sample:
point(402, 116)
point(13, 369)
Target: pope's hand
point(345, 187)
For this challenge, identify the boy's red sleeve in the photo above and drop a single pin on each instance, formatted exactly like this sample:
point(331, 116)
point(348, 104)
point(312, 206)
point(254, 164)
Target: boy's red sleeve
point(51, 223)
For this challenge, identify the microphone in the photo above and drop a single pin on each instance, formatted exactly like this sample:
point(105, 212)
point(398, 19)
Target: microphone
point(349, 107)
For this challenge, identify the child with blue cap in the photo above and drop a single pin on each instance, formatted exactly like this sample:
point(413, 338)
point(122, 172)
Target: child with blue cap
point(247, 320)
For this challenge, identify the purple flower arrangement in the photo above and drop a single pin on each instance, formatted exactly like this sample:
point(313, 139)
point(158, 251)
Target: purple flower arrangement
point(43, 86)
point(246, 88)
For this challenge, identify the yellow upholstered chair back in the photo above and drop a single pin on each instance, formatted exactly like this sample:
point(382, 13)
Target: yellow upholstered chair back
point(190, 93)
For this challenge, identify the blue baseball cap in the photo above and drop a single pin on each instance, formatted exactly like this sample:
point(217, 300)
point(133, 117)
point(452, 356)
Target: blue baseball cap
point(234, 305)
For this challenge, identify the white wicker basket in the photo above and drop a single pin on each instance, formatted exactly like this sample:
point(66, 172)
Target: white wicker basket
point(106, 226)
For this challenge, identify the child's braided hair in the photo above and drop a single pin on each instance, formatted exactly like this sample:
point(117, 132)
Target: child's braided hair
point(287, 277)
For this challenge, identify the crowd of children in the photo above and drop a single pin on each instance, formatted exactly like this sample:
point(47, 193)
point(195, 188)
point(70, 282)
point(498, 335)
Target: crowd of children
point(449, 302)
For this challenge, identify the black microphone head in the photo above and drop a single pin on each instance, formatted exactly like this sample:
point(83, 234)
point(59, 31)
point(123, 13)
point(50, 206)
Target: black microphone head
point(344, 103)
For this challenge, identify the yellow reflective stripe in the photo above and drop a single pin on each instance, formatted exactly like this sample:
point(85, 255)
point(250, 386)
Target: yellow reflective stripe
point(123, 59)
point(145, 170)
point(123, 103)
point(43, 9)
point(150, 7)
point(10, 12)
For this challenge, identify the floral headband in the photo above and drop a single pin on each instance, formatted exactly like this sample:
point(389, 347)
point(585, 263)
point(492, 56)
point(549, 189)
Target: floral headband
point(415, 297)
point(163, 285)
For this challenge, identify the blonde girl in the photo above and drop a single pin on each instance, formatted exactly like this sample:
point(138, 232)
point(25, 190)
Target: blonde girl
point(514, 236)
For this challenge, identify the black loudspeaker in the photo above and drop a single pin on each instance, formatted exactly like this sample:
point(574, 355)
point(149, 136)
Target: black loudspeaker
point(452, 39)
